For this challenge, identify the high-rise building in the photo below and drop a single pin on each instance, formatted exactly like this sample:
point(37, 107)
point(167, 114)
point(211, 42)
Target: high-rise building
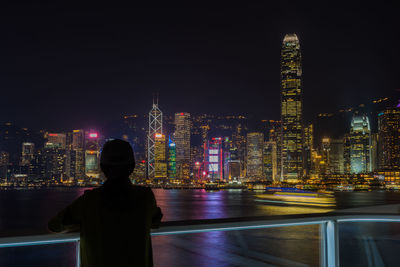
point(226, 155)
point(239, 142)
point(336, 156)
point(291, 109)
point(70, 165)
point(76, 155)
point(160, 158)
point(233, 170)
point(57, 139)
point(92, 157)
point(139, 173)
point(37, 166)
point(78, 139)
point(255, 147)
point(270, 161)
point(171, 160)
point(204, 135)
point(155, 127)
point(389, 139)
point(53, 161)
point(28, 152)
point(182, 142)
point(360, 144)
point(214, 159)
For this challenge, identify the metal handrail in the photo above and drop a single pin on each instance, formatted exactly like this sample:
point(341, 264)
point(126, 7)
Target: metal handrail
point(328, 222)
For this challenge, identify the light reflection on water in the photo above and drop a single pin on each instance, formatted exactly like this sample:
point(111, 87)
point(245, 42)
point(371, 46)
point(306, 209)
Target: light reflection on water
point(276, 210)
point(31, 209)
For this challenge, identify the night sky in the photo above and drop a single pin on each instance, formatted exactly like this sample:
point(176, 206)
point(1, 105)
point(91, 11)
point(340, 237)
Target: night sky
point(79, 66)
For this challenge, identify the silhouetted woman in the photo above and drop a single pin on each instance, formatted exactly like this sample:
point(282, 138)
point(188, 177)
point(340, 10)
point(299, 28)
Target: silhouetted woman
point(114, 219)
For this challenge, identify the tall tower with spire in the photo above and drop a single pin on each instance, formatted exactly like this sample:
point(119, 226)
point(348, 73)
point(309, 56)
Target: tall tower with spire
point(291, 110)
point(155, 129)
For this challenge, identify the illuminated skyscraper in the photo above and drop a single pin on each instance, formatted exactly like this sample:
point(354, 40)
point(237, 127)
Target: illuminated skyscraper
point(255, 147)
point(78, 154)
point(239, 143)
point(160, 157)
point(360, 144)
point(139, 173)
point(389, 139)
point(214, 159)
point(171, 160)
point(155, 127)
point(182, 142)
point(291, 109)
point(92, 157)
point(204, 136)
point(78, 139)
point(54, 157)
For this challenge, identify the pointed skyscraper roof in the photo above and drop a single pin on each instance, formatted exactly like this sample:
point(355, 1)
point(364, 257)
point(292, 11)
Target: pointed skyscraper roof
point(290, 37)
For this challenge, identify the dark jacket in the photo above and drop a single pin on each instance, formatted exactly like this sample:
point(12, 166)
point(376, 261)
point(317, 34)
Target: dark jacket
point(115, 222)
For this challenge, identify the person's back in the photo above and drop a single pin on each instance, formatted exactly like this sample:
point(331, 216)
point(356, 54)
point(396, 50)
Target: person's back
point(114, 220)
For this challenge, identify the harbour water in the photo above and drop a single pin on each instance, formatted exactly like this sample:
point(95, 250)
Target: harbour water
point(288, 246)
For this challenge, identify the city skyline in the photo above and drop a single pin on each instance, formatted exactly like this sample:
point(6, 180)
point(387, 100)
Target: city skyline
point(173, 55)
point(66, 156)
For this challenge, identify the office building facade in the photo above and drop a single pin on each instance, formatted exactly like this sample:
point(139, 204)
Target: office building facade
point(255, 148)
point(360, 144)
point(182, 144)
point(389, 139)
point(160, 158)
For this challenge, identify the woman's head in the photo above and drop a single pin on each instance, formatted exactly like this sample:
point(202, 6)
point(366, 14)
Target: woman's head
point(117, 159)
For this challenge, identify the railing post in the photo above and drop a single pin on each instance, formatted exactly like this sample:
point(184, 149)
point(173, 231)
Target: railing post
point(330, 244)
point(78, 253)
point(322, 250)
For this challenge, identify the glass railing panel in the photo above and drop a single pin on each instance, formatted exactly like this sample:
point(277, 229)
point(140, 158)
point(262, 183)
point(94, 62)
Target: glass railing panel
point(282, 246)
point(369, 243)
point(51, 255)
